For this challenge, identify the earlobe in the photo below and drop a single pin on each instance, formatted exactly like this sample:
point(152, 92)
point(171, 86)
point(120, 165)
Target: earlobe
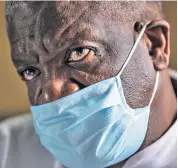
point(158, 43)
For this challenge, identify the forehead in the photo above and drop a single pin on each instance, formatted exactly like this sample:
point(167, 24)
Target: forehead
point(37, 18)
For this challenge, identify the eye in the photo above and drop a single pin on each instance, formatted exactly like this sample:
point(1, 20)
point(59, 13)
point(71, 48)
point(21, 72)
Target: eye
point(79, 54)
point(29, 73)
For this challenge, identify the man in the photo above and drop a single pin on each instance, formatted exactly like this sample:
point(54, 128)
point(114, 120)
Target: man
point(91, 66)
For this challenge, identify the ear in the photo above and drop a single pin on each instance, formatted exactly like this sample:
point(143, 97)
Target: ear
point(158, 43)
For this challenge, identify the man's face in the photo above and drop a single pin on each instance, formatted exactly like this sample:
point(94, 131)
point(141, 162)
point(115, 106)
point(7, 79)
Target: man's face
point(70, 46)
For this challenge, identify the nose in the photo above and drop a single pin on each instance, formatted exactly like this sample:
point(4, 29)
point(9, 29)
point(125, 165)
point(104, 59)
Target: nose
point(55, 90)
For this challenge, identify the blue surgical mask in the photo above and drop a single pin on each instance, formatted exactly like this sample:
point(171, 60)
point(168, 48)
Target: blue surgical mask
point(94, 127)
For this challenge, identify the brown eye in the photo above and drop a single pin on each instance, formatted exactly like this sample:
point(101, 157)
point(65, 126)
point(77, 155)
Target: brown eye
point(29, 74)
point(79, 54)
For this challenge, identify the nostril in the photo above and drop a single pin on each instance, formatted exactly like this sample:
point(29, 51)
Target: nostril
point(80, 85)
point(44, 96)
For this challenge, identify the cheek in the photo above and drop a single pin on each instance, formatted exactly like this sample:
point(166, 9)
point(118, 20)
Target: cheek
point(100, 69)
point(89, 65)
point(138, 79)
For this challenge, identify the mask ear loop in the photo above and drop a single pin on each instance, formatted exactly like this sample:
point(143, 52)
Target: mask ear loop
point(133, 49)
point(155, 88)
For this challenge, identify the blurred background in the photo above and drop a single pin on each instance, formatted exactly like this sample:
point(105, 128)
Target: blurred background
point(13, 94)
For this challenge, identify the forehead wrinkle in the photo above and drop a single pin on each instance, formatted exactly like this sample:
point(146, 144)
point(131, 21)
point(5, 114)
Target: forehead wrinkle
point(84, 32)
point(71, 21)
point(39, 21)
point(84, 27)
point(21, 55)
point(21, 21)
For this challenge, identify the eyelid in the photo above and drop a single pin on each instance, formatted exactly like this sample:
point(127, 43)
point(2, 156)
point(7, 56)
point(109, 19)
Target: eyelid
point(22, 68)
point(29, 67)
point(68, 53)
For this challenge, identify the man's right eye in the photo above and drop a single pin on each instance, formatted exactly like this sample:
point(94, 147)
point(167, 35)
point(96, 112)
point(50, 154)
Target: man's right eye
point(29, 73)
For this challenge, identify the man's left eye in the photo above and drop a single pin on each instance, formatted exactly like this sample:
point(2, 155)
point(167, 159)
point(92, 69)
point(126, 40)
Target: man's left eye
point(79, 54)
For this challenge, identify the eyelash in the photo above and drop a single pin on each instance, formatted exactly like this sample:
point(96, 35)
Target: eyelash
point(20, 72)
point(68, 53)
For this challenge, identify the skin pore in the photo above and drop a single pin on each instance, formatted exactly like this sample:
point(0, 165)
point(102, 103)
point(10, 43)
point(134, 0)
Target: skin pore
point(59, 48)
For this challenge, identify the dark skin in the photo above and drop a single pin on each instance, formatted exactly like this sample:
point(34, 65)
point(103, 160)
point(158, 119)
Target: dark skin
point(82, 48)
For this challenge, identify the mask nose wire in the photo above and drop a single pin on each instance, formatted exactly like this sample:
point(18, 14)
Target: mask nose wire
point(133, 49)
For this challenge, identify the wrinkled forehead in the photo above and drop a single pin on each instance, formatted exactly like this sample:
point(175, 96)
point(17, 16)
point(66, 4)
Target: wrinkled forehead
point(37, 18)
